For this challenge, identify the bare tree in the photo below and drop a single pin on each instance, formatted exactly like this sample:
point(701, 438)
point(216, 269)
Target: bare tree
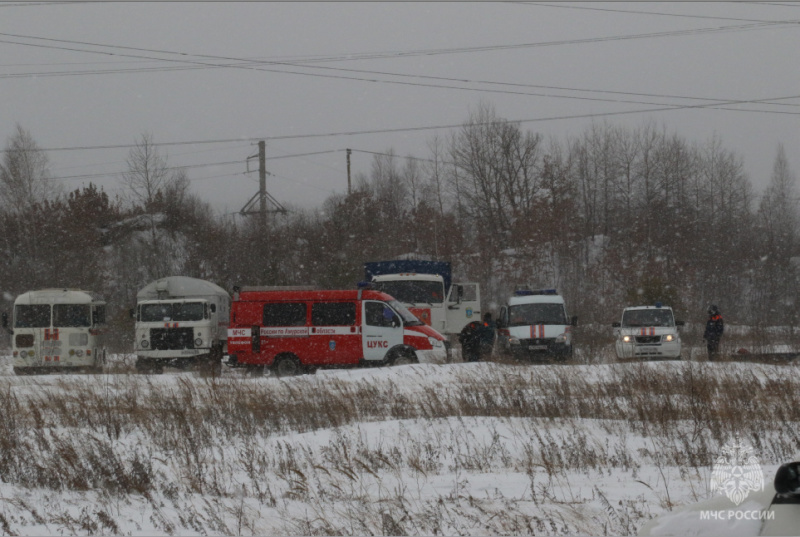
point(24, 176)
point(498, 169)
point(150, 184)
point(148, 175)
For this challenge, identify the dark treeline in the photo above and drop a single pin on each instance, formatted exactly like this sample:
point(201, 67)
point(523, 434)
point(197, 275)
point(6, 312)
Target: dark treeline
point(612, 217)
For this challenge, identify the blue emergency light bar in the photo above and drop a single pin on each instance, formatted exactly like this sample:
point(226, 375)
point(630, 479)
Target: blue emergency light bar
point(364, 285)
point(658, 304)
point(530, 292)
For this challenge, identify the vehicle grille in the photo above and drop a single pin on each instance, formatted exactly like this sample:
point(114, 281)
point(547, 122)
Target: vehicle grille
point(648, 339)
point(171, 339)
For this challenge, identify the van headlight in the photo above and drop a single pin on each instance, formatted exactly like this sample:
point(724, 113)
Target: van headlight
point(145, 344)
point(198, 342)
point(669, 337)
point(561, 338)
point(627, 339)
point(513, 341)
point(434, 342)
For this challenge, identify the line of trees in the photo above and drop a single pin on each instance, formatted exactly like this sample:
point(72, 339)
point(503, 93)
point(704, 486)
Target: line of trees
point(612, 217)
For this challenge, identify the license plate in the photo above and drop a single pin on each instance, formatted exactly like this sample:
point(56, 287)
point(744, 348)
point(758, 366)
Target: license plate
point(537, 347)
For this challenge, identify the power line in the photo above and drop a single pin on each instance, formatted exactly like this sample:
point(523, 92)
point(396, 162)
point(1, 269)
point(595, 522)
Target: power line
point(247, 64)
point(195, 166)
point(637, 12)
point(436, 127)
point(254, 65)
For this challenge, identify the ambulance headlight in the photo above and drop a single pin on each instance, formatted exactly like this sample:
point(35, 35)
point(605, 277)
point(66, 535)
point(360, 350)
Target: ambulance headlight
point(198, 342)
point(669, 337)
point(513, 341)
point(627, 339)
point(434, 342)
point(145, 344)
point(562, 338)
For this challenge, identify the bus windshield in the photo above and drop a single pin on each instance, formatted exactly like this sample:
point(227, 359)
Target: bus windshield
point(32, 316)
point(173, 311)
point(413, 291)
point(532, 314)
point(71, 315)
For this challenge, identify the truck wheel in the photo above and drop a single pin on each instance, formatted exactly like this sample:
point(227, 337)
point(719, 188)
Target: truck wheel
point(287, 366)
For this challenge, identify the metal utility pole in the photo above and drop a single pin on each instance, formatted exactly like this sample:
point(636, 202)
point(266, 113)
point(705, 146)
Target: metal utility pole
point(262, 182)
point(262, 195)
point(348, 171)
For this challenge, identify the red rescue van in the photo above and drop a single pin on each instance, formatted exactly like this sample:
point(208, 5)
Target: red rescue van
point(291, 331)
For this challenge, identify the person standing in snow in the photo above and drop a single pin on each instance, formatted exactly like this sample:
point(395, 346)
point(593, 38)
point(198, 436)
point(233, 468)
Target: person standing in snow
point(470, 339)
point(713, 333)
point(487, 335)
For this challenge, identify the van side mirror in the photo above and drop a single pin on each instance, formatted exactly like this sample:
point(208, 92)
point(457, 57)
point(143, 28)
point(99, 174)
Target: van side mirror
point(615, 324)
point(132, 313)
point(679, 323)
point(213, 308)
point(787, 479)
point(5, 320)
point(574, 320)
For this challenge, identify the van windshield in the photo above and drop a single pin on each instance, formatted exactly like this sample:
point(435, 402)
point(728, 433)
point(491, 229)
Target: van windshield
point(531, 314)
point(654, 317)
point(409, 319)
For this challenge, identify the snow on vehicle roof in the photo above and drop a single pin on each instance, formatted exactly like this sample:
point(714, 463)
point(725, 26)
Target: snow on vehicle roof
point(536, 299)
point(408, 276)
point(179, 286)
point(58, 296)
point(629, 308)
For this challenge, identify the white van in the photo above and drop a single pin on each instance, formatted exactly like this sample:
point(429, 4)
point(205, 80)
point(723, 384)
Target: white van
point(648, 332)
point(535, 323)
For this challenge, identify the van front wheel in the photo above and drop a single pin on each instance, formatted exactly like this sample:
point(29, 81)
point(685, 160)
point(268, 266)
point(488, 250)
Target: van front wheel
point(287, 366)
point(404, 357)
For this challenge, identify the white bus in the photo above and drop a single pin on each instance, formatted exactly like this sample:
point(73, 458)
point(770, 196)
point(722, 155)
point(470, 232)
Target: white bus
point(58, 329)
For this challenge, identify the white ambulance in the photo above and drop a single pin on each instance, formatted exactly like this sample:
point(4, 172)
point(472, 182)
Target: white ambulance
point(535, 323)
point(648, 332)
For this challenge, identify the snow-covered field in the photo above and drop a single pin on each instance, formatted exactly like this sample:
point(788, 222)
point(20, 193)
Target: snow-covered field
point(464, 448)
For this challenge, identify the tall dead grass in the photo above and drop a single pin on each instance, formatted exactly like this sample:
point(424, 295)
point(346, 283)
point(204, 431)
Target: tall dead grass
point(251, 447)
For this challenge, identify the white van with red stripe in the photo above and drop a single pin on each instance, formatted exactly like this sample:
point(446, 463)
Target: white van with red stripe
point(535, 323)
point(291, 331)
point(648, 332)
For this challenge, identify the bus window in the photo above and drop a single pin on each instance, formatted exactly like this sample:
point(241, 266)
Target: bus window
point(33, 316)
point(71, 315)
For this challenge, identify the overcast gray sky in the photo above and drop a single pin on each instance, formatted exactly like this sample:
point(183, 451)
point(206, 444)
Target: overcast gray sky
point(88, 79)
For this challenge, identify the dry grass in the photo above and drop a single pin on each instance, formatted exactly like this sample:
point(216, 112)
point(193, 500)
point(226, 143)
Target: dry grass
point(247, 446)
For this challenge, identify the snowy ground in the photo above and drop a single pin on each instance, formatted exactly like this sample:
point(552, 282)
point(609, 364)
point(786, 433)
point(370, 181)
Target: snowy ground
point(468, 449)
